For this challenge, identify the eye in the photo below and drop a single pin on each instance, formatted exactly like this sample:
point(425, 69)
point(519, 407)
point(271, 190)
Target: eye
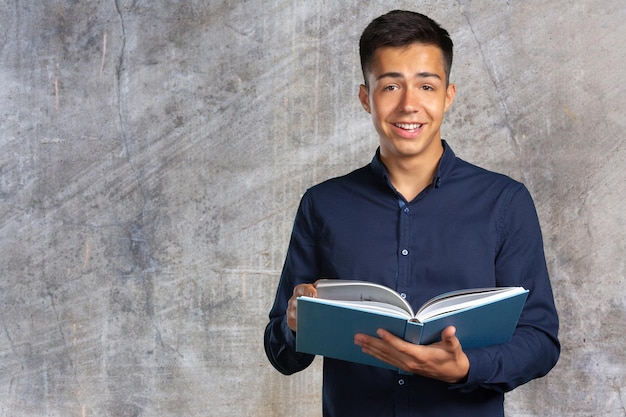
point(391, 87)
point(428, 88)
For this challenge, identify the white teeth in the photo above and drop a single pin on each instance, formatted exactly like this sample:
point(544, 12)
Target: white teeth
point(409, 126)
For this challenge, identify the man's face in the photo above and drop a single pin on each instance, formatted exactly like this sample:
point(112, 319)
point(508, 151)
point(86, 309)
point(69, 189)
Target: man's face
point(407, 98)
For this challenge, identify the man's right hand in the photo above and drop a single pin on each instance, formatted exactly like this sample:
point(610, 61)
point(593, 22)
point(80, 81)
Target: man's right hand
point(292, 309)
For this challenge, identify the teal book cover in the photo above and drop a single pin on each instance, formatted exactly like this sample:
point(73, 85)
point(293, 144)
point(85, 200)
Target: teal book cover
point(327, 327)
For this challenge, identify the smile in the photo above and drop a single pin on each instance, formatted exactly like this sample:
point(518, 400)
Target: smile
point(408, 126)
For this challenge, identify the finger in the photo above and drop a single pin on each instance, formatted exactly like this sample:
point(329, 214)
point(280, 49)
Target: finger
point(361, 339)
point(305, 289)
point(449, 339)
point(448, 333)
point(370, 345)
point(385, 349)
point(391, 339)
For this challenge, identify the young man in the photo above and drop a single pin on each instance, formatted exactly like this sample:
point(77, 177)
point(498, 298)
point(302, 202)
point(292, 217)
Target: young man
point(422, 221)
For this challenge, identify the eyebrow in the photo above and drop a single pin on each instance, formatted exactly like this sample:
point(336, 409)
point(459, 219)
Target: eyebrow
point(418, 75)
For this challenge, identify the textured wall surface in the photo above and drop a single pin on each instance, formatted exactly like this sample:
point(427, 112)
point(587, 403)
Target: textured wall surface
point(152, 156)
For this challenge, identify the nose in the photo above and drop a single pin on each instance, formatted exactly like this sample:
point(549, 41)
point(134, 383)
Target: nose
point(410, 102)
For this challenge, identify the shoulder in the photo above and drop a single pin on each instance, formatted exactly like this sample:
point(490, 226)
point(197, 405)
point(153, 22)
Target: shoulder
point(466, 174)
point(470, 170)
point(340, 194)
point(457, 175)
point(470, 185)
point(358, 179)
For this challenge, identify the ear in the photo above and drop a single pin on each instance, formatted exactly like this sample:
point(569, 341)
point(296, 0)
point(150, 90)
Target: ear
point(450, 94)
point(364, 97)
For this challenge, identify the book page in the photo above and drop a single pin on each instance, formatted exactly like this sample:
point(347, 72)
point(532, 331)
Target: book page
point(351, 290)
point(458, 300)
point(368, 306)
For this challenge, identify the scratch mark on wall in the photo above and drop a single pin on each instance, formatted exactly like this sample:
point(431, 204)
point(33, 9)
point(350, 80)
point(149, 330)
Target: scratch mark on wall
point(617, 386)
point(13, 349)
point(51, 141)
point(237, 271)
point(104, 52)
point(494, 81)
point(119, 75)
point(144, 266)
point(243, 286)
point(59, 322)
point(56, 93)
point(569, 113)
point(86, 255)
point(121, 96)
point(159, 341)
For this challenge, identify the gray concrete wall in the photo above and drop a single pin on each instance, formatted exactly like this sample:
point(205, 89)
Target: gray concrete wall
point(152, 155)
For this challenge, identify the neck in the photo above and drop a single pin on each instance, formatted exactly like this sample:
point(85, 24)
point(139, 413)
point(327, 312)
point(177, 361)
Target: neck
point(410, 176)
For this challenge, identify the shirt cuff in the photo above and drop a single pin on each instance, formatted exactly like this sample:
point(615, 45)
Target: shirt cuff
point(288, 334)
point(481, 368)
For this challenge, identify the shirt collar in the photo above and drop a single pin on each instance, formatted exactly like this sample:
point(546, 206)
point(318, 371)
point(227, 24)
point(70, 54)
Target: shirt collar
point(443, 169)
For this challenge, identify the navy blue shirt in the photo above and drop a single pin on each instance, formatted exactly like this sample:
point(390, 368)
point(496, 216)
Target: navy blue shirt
point(469, 228)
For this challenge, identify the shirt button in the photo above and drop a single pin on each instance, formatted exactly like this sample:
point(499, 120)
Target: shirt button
point(401, 382)
point(403, 295)
point(406, 210)
point(405, 252)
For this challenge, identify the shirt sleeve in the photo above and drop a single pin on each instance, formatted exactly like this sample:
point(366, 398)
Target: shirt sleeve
point(300, 267)
point(520, 261)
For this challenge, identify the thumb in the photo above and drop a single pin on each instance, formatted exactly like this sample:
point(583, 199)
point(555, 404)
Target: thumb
point(448, 334)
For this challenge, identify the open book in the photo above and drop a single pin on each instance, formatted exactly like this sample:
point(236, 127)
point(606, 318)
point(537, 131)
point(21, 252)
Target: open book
point(326, 325)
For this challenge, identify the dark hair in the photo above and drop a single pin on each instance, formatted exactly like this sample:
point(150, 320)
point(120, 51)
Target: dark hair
point(403, 28)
